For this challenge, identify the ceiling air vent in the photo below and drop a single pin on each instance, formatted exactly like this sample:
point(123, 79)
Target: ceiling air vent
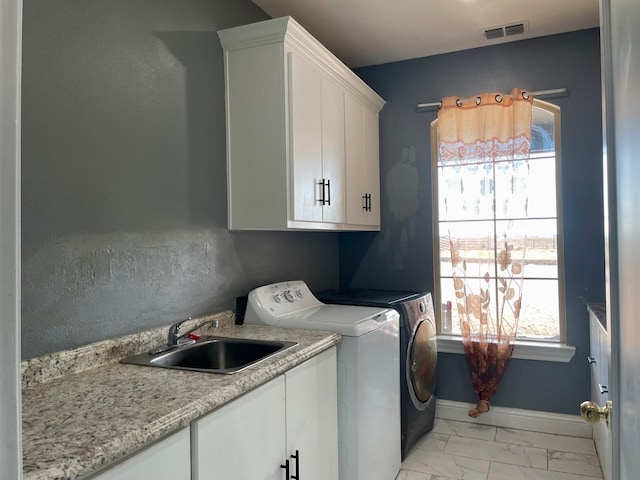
point(516, 29)
point(493, 33)
point(505, 30)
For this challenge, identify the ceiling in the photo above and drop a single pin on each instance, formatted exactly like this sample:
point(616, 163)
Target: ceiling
point(372, 32)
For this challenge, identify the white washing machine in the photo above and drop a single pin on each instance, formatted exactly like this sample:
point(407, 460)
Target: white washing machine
point(368, 374)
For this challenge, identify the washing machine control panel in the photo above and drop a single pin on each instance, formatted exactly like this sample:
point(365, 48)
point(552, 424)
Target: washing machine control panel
point(285, 297)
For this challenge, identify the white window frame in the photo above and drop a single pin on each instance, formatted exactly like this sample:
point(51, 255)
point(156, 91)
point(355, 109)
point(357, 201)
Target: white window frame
point(543, 350)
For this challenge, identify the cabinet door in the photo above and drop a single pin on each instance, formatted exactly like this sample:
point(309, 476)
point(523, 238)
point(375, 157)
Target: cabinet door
point(371, 161)
point(305, 137)
point(354, 138)
point(363, 164)
point(333, 150)
point(595, 355)
point(169, 459)
point(600, 377)
point(244, 439)
point(312, 418)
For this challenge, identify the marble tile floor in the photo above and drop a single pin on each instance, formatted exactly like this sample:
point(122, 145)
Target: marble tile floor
point(468, 451)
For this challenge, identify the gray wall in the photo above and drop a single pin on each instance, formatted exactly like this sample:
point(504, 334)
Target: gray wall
point(123, 174)
point(400, 256)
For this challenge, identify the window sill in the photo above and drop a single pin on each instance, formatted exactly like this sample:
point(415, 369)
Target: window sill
point(526, 350)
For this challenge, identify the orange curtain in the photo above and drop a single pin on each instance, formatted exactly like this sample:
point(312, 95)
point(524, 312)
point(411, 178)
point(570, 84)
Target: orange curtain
point(489, 137)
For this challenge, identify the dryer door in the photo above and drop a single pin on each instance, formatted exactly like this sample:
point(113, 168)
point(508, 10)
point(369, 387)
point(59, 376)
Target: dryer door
point(421, 362)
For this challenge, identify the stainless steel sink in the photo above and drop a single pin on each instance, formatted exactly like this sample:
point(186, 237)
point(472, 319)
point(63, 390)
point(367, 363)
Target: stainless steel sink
point(213, 355)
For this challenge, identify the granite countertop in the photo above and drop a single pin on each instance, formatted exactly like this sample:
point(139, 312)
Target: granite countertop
point(82, 410)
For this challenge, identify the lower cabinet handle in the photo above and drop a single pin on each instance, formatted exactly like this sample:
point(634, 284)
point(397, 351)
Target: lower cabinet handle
point(297, 457)
point(603, 388)
point(286, 469)
point(591, 360)
point(364, 197)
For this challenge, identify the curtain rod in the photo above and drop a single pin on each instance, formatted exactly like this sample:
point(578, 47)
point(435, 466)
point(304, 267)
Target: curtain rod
point(556, 92)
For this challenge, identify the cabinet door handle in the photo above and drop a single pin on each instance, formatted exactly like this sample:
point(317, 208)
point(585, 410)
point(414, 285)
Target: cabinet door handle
point(286, 469)
point(329, 192)
point(591, 360)
point(297, 457)
point(367, 202)
point(322, 198)
point(603, 389)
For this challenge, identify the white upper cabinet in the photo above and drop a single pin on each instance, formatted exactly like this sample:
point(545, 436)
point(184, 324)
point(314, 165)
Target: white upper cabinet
point(295, 160)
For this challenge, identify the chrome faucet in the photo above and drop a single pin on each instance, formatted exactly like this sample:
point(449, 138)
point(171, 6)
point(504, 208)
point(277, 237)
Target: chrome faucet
point(174, 337)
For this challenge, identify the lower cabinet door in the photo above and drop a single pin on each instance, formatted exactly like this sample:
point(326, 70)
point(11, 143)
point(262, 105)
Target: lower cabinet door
point(312, 418)
point(243, 440)
point(169, 459)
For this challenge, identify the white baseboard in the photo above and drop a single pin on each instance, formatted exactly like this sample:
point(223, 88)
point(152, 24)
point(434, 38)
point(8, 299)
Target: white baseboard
point(531, 420)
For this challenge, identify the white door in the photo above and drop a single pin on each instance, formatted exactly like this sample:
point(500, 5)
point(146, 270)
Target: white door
point(312, 418)
point(621, 77)
point(333, 150)
point(371, 153)
point(244, 439)
point(599, 367)
point(169, 459)
point(305, 131)
point(354, 147)
point(10, 58)
point(363, 163)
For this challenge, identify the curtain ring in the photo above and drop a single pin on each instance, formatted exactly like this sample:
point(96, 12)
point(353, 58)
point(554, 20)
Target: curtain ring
point(458, 102)
point(525, 95)
point(498, 98)
point(478, 100)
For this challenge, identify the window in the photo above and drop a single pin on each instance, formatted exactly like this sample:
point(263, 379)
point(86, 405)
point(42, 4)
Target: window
point(481, 202)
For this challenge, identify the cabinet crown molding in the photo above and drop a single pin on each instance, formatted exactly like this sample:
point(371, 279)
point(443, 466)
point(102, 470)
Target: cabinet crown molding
point(286, 30)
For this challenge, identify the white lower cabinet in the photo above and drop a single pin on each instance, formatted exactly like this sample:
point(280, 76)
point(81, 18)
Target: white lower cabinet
point(169, 459)
point(291, 419)
point(599, 361)
point(312, 418)
point(244, 439)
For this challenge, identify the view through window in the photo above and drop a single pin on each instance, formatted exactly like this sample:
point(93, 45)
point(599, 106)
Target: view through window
point(482, 202)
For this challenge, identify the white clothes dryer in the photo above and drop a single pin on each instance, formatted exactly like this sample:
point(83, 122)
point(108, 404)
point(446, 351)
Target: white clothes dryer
point(368, 375)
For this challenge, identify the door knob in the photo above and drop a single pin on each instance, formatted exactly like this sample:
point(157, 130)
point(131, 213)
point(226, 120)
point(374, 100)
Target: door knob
point(592, 413)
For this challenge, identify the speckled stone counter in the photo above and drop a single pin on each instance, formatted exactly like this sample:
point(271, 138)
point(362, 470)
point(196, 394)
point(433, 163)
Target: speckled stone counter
point(82, 410)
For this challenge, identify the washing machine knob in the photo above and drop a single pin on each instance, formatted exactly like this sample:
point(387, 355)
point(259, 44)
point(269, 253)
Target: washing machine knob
point(299, 293)
point(278, 298)
point(289, 296)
